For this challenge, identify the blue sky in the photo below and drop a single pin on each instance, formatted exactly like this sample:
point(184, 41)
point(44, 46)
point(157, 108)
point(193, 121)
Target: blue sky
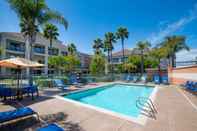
point(90, 19)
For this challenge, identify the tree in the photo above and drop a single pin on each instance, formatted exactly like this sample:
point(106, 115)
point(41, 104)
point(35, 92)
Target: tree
point(142, 46)
point(51, 33)
point(98, 45)
point(72, 49)
point(122, 34)
point(174, 44)
point(97, 66)
point(63, 63)
point(32, 15)
point(58, 63)
point(129, 67)
point(72, 63)
point(158, 54)
point(110, 39)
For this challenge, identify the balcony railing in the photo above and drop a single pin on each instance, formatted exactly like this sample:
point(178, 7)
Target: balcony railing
point(39, 50)
point(16, 48)
point(53, 51)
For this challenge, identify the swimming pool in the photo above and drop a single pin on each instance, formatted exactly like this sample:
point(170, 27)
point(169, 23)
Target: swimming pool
point(118, 98)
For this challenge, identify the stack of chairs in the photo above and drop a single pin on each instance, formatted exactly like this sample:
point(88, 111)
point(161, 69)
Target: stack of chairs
point(162, 80)
point(191, 86)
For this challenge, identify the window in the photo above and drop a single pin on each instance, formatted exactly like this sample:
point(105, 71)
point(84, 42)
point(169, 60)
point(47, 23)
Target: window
point(39, 49)
point(14, 46)
point(53, 51)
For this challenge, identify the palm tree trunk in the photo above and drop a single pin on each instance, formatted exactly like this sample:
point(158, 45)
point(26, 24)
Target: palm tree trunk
point(50, 43)
point(111, 64)
point(123, 50)
point(108, 52)
point(142, 63)
point(173, 60)
point(32, 40)
point(159, 70)
point(31, 58)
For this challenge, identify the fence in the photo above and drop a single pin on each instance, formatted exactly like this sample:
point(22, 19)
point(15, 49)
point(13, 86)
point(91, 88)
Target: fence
point(186, 63)
point(46, 81)
point(180, 75)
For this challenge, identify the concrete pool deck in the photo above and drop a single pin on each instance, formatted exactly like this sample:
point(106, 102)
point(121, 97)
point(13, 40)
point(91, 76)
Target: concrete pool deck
point(176, 112)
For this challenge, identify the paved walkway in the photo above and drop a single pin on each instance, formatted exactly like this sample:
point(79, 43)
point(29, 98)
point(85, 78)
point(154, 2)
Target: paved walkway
point(175, 113)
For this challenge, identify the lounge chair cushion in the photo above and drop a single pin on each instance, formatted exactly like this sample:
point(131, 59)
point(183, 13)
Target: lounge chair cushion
point(14, 114)
point(51, 127)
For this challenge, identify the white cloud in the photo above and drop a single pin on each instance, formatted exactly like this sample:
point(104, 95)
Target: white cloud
point(172, 27)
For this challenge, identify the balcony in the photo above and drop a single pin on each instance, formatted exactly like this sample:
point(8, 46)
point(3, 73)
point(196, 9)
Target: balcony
point(64, 53)
point(53, 51)
point(16, 48)
point(40, 50)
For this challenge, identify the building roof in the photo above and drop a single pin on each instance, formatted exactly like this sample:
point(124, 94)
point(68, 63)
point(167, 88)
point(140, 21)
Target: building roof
point(84, 54)
point(127, 52)
point(39, 38)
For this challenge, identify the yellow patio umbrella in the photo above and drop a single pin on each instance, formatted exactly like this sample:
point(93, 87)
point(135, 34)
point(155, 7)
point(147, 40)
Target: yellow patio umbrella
point(19, 63)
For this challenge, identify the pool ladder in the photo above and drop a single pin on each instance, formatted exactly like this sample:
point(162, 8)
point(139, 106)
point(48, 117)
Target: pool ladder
point(146, 106)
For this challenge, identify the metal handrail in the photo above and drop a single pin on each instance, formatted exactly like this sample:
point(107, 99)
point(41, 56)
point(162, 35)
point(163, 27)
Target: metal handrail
point(150, 109)
point(149, 101)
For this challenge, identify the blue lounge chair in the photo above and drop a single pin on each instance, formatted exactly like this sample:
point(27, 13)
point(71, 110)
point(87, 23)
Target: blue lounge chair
point(129, 78)
point(156, 79)
point(51, 127)
point(164, 79)
point(74, 80)
point(144, 79)
point(6, 92)
point(188, 85)
point(30, 89)
point(192, 86)
point(60, 84)
point(135, 79)
point(17, 114)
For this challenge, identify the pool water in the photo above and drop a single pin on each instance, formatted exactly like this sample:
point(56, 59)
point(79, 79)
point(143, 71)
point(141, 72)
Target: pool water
point(119, 98)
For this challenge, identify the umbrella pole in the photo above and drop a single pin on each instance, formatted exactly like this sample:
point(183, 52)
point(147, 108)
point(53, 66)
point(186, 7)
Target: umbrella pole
point(18, 84)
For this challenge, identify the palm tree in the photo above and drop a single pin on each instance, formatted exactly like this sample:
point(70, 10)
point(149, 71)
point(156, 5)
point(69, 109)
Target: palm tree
point(98, 44)
point(33, 14)
point(174, 44)
point(158, 54)
point(142, 46)
point(108, 46)
point(51, 33)
point(122, 34)
point(72, 49)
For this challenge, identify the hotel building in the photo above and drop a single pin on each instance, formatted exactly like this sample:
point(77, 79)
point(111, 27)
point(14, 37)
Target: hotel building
point(14, 45)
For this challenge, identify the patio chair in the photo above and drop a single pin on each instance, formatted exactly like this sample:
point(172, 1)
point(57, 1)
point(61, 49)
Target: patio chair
point(30, 89)
point(74, 81)
point(164, 79)
point(136, 79)
point(6, 92)
point(156, 79)
point(144, 79)
point(129, 78)
point(9, 117)
point(51, 127)
point(187, 83)
point(192, 86)
point(60, 84)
